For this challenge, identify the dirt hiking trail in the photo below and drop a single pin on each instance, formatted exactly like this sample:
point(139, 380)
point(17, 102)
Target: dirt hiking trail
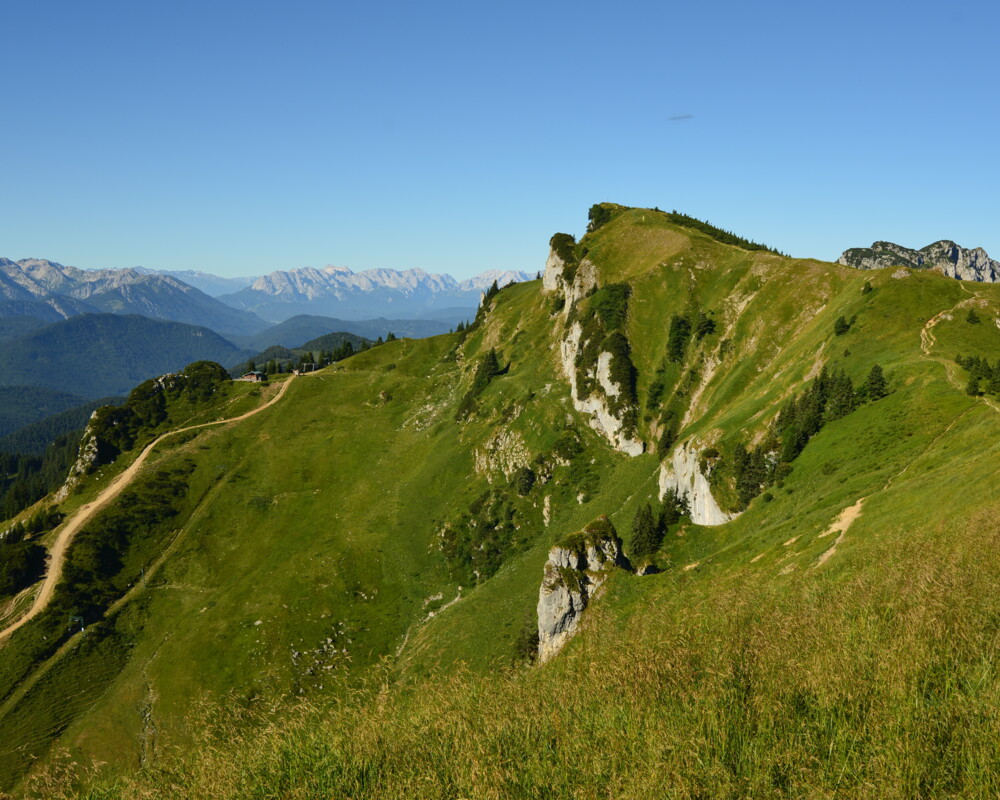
point(57, 554)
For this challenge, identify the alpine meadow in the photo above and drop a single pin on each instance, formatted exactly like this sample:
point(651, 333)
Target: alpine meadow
point(683, 517)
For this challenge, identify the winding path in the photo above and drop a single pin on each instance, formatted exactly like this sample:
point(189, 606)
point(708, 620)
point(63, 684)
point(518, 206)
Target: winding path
point(57, 554)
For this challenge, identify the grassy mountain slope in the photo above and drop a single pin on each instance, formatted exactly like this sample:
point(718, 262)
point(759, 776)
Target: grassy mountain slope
point(835, 639)
point(96, 355)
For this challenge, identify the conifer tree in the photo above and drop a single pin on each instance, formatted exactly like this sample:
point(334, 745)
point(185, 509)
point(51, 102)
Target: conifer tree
point(671, 512)
point(645, 541)
point(993, 387)
point(875, 386)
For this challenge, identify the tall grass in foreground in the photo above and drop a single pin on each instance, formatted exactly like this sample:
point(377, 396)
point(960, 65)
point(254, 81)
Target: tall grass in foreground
point(881, 683)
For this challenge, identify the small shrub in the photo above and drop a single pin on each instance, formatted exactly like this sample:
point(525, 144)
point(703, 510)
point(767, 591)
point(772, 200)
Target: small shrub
point(523, 480)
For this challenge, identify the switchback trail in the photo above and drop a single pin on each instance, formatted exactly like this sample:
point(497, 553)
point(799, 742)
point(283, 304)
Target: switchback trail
point(928, 340)
point(82, 515)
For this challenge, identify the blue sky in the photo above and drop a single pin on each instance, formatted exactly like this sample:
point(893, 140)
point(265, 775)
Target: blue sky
point(245, 137)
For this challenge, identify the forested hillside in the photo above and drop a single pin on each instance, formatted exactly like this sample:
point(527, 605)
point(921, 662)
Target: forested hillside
point(97, 355)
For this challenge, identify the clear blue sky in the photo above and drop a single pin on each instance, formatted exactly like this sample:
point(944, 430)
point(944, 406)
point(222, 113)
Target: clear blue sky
point(245, 137)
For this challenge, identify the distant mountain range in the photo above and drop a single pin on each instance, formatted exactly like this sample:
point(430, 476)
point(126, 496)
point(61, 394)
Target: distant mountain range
point(952, 259)
point(46, 290)
point(339, 292)
point(212, 285)
point(69, 335)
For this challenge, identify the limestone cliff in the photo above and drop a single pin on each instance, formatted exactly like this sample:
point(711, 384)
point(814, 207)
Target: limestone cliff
point(575, 570)
point(87, 459)
point(602, 402)
point(951, 259)
point(683, 475)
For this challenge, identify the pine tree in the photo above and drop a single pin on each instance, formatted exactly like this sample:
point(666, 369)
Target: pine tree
point(972, 387)
point(993, 387)
point(841, 400)
point(875, 386)
point(645, 541)
point(677, 338)
point(668, 437)
point(671, 512)
point(705, 326)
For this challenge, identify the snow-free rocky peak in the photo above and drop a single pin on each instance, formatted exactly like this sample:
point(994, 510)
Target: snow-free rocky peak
point(945, 255)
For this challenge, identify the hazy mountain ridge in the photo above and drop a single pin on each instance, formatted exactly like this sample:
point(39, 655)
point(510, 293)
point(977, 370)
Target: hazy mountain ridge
point(304, 327)
point(99, 355)
point(212, 285)
point(48, 290)
point(945, 255)
point(38, 287)
point(340, 292)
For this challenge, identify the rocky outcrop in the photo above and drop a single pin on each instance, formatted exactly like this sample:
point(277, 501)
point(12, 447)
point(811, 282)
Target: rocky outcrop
point(596, 405)
point(574, 282)
point(87, 459)
point(575, 571)
point(682, 475)
point(946, 256)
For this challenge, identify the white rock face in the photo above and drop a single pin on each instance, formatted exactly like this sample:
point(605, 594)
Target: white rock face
point(595, 406)
point(552, 277)
point(573, 574)
point(85, 460)
point(683, 476)
point(584, 280)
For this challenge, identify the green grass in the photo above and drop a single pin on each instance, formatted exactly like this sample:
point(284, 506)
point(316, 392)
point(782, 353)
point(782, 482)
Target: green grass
point(758, 671)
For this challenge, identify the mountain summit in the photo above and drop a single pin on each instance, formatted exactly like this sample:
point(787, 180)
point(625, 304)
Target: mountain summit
point(951, 259)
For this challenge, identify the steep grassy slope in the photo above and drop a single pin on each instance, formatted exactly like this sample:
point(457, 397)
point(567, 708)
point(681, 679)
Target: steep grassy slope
point(837, 638)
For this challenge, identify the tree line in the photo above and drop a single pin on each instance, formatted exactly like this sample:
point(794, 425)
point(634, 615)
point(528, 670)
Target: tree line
point(831, 395)
point(649, 528)
point(983, 378)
